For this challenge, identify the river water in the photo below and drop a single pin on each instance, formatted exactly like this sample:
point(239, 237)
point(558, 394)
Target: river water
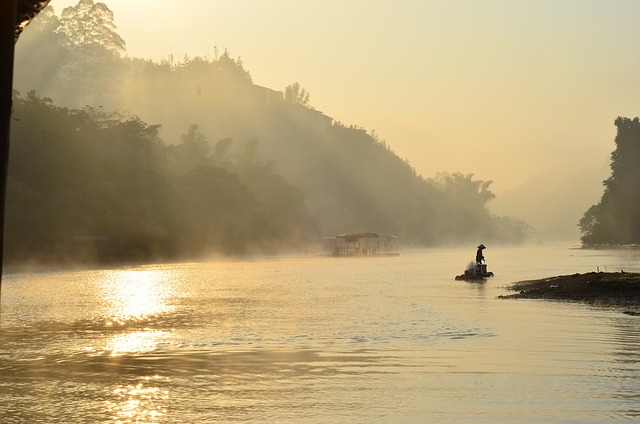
point(303, 339)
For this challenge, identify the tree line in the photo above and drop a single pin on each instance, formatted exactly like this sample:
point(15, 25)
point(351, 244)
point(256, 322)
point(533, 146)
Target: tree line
point(91, 185)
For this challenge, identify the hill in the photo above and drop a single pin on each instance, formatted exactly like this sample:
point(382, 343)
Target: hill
point(191, 157)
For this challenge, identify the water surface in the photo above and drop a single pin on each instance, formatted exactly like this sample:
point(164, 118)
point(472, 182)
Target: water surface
point(318, 340)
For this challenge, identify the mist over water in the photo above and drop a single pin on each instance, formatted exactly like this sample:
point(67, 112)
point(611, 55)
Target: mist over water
point(309, 339)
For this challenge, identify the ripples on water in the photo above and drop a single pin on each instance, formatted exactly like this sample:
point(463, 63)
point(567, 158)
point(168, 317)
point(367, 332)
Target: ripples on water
point(301, 339)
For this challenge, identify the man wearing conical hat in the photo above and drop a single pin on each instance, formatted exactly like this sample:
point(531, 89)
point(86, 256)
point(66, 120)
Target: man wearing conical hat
point(479, 255)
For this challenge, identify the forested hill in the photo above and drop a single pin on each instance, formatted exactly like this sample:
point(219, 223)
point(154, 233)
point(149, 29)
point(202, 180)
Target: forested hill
point(122, 158)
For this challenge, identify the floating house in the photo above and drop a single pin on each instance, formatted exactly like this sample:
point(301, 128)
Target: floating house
point(365, 244)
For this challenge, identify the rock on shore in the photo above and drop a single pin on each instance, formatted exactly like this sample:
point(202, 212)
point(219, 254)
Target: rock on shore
point(608, 289)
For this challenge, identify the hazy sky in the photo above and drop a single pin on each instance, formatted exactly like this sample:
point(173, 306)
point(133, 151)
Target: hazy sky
point(501, 89)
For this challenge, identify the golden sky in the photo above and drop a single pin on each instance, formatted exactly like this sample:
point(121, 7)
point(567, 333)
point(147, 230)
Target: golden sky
point(501, 89)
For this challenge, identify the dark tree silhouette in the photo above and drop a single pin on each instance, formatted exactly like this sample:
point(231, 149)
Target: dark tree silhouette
point(616, 218)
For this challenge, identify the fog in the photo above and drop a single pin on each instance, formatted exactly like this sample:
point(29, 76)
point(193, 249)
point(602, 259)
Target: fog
point(502, 90)
point(441, 121)
point(554, 201)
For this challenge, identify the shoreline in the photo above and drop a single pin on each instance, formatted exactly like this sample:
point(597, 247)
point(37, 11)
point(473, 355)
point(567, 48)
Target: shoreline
point(616, 290)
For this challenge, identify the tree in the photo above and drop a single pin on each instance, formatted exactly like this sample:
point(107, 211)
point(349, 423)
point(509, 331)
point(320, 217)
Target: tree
point(295, 94)
point(233, 68)
point(464, 208)
point(194, 150)
point(616, 218)
point(94, 68)
point(221, 150)
point(474, 194)
point(90, 23)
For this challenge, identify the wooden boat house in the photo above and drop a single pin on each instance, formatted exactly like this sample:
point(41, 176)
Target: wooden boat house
point(365, 244)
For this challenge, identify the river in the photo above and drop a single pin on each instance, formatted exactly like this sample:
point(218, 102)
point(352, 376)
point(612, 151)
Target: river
point(300, 339)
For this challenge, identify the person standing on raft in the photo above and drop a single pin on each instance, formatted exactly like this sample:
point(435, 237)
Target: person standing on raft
point(479, 255)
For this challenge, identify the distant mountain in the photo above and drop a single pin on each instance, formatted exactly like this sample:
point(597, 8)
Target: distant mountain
point(554, 201)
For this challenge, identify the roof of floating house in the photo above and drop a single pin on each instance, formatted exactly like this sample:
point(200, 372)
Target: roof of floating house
point(364, 244)
point(358, 235)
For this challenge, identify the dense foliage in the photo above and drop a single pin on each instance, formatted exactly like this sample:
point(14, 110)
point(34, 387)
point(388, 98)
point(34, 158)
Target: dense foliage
point(93, 185)
point(202, 161)
point(616, 218)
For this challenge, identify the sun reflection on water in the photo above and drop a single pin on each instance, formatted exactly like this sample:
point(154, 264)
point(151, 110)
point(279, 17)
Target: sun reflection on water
point(135, 295)
point(135, 342)
point(142, 402)
point(136, 303)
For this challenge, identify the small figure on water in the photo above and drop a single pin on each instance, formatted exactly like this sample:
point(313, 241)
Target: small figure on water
point(476, 271)
point(479, 255)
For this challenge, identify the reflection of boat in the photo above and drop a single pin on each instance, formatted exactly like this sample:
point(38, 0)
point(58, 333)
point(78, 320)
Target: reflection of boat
point(364, 244)
point(475, 272)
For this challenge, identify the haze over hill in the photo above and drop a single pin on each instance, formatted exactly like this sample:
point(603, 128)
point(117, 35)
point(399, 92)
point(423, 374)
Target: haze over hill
point(214, 97)
point(239, 168)
point(500, 89)
point(554, 201)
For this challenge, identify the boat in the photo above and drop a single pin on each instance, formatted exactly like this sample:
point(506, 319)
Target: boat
point(363, 245)
point(475, 272)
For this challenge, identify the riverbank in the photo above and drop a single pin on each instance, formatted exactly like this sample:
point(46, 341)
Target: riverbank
point(620, 290)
